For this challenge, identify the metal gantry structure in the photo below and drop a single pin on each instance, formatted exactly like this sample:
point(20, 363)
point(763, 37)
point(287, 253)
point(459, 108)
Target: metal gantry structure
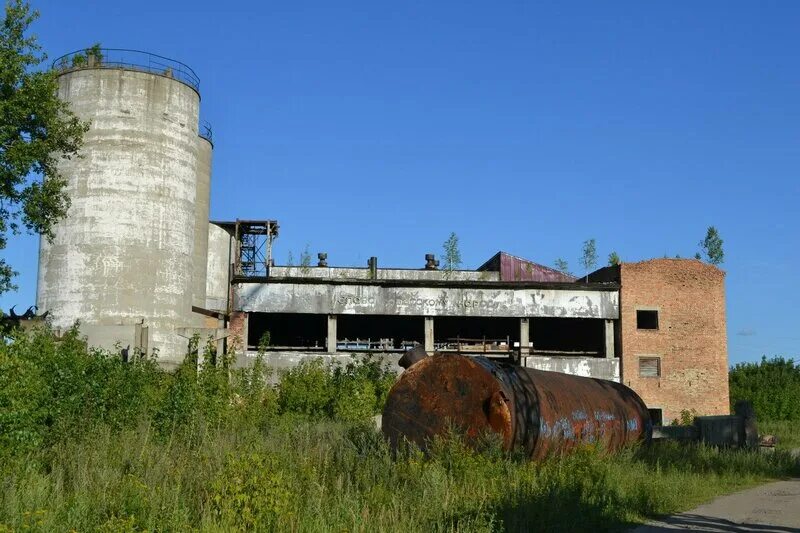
point(254, 240)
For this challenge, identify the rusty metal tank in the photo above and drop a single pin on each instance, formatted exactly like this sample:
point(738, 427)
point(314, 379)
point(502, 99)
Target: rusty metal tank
point(539, 412)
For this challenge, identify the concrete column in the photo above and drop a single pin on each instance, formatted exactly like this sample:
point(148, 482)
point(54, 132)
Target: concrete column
point(331, 341)
point(610, 354)
point(429, 334)
point(524, 339)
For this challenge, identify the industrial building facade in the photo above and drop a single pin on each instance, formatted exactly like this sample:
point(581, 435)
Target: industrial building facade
point(657, 326)
point(138, 263)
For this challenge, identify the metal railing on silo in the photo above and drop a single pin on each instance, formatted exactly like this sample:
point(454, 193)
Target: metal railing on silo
point(204, 131)
point(96, 57)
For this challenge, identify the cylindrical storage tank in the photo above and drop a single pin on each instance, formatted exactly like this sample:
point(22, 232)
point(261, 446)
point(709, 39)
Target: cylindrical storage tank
point(123, 254)
point(536, 411)
point(203, 202)
point(220, 256)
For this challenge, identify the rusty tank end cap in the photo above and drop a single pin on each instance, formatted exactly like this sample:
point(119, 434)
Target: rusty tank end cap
point(444, 392)
point(412, 357)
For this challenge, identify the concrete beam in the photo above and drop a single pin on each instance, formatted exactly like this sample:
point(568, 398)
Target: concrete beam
point(333, 299)
point(429, 334)
point(331, 339)
point(610, 352)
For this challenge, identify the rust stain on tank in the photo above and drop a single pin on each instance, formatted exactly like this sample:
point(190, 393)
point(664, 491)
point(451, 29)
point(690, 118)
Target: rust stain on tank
point(540, 412)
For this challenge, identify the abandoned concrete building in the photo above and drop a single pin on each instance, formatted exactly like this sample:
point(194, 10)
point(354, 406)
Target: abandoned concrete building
point(657, 326)
point(139, 264)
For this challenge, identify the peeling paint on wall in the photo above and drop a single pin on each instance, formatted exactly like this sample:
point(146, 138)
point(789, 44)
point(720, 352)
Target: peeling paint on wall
point(424, 301)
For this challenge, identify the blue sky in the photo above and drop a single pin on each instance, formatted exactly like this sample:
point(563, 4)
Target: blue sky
point(377, 128)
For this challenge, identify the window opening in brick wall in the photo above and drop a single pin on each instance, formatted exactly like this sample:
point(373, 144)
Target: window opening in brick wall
point(656, 416)
point(649, 367)
point(646, 319)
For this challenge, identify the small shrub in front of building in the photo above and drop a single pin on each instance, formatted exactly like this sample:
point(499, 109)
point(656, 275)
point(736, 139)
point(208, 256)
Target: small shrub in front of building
point(354, 391)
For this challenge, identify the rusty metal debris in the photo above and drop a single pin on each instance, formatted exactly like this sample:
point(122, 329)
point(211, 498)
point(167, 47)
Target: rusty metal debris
point(29, 317)
point(536, 411)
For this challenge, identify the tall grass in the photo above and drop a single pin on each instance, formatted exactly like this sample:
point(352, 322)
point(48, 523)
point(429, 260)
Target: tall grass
point(300, 475)
point(102, 446)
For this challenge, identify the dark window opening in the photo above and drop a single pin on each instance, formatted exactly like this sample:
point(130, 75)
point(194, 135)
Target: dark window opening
point(476, 334)
point(583, 337)
point(288, 330)
point(379, 332)
point(656, 417)
point(649, 367)
point(646, 319)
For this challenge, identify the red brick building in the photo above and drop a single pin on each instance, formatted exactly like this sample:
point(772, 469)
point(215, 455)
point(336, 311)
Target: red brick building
point(671, 335)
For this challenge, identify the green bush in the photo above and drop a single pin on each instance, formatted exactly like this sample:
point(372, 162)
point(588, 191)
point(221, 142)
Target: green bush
point(351, 392)
point(772, 386)
point(53, 388)
point(251, 493)
point(306, 389)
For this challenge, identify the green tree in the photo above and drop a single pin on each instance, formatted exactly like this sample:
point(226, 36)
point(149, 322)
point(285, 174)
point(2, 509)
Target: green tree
point(562, 266)
point(305, 261)
point(711, 247)
point(613, 259)
point(589, 257)
point(772, 386)
point(37, 130)
point(452, 255)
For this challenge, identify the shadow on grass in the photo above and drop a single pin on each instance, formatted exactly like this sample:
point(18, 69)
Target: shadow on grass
point(561, 510)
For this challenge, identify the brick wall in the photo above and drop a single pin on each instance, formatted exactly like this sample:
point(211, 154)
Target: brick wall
point(237, 327)
point(690, 340)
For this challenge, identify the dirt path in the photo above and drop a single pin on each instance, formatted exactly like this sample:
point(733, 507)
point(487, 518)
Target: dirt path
point(774, 507)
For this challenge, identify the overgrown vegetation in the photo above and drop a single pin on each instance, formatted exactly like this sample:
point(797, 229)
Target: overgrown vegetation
point(451, 254)
point(562, 266)
point(711, 247)
point(588, 256)
point(771, 385)
point(89, 443)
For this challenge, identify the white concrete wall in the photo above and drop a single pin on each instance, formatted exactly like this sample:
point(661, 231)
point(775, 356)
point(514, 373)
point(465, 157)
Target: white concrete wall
point(589, 367)
point(220, 252)
point(424, 301)
point(279, 361)
point(203, 203)
point(124, 252)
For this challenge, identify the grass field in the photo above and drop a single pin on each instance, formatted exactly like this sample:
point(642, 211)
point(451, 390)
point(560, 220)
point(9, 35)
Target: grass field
point(88, 443)
point(787, 431)
point(297, 475)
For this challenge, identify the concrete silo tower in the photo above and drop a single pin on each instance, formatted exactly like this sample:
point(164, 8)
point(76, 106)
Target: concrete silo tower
point(126, 260)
